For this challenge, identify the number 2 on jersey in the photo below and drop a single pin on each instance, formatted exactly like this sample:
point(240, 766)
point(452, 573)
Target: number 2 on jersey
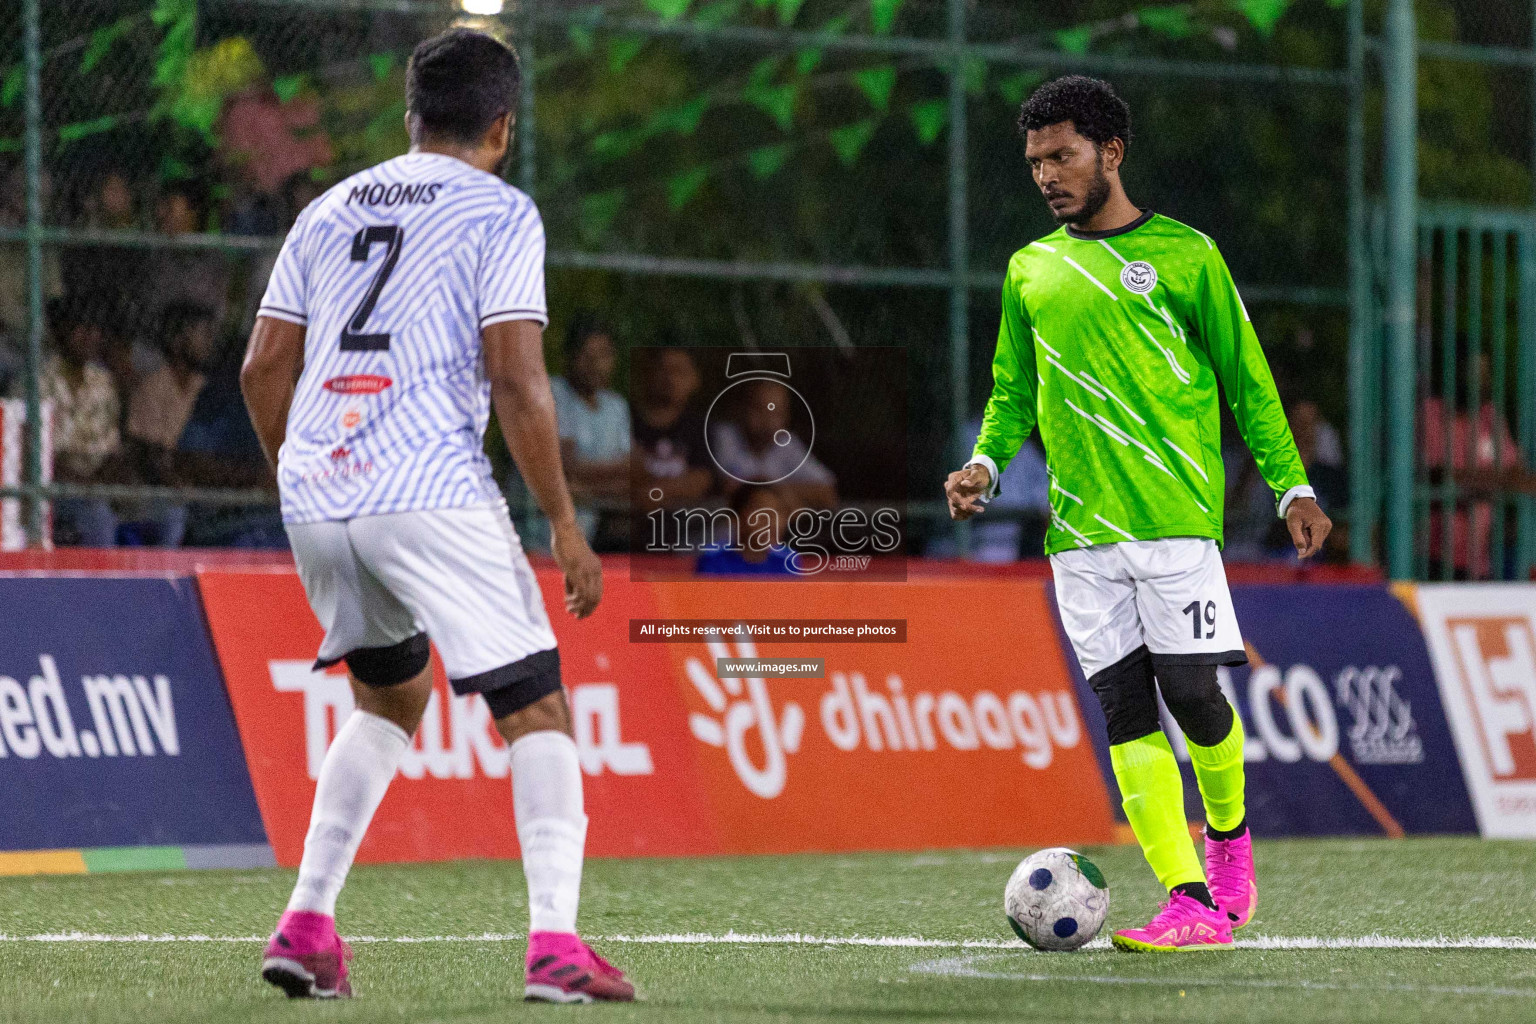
point(352, 337)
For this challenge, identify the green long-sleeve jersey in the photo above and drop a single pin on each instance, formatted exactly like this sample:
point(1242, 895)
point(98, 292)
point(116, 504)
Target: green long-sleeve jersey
point(1114, 343)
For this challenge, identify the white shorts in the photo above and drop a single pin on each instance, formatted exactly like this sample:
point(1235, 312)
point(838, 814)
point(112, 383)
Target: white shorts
point(1169, 596)
point(458, 575)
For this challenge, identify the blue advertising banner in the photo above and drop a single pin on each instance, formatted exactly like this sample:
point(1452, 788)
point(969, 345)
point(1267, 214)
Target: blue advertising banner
point(115, 729)
point(1345, 731)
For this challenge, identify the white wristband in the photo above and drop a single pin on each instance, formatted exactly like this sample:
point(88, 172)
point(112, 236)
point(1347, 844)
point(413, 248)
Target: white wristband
point(978, 459)
point(1299, 491)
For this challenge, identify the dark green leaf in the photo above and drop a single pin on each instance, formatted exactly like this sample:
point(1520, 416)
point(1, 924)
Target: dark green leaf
point(882, 14)
point(788, 9)
point(381, 64)
point(849, 141)
point(1074, 40)
point(616, 144)
point(581, 39)
point(83, 129)
point(808, 60)
point(684, 119)
point(717, 14)
point(1172, 22)
point(288, 86)
point(975, 76)
point(876, 84)
point(1015, 86)
point(1262, 14)
point(765, 162)
point(622, 50)
point(777, 101)
point(929, 118)
point(12, 85)
point(668, 10)
point(598, 211)
point(763, 71)
point(682, 187)
point(101, 41)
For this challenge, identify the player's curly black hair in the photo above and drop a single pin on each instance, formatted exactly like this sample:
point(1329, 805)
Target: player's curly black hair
point(458, 83)
point(1091, 104)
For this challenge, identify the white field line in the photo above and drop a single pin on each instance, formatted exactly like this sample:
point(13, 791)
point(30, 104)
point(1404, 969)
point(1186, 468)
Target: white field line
point(1260, 942)
point(965, 967)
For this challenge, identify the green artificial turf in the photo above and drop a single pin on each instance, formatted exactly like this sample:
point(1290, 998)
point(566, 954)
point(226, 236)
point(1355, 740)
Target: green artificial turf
point(1414, 889)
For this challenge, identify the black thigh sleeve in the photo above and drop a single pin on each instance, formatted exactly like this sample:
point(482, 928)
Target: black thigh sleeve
point(1196, 702)
point(1128, 694)
point(387, 666)
point(512, 687)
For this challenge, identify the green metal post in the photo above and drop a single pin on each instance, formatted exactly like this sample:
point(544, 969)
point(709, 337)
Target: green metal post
point(33, 144)
point(1498, 325)
point(1400, 68)
point(1448, 322)
point(959, 241)
point(1364, 431)
point(525, 164)
point(1525, 412)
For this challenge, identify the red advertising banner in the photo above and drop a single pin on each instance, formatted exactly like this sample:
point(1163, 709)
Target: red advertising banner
point(967, 734)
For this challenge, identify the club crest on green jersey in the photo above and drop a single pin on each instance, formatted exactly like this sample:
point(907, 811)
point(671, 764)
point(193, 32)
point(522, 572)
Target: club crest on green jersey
point(1139, 277)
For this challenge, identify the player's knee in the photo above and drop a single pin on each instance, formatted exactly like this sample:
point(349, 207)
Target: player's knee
point(549, 713)
point(1125, 692)
point(393, 682)
point(1196, 702)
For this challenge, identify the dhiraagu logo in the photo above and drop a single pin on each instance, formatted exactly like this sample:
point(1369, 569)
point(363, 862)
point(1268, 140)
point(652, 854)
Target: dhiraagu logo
point(859, 716)
point(740, 707)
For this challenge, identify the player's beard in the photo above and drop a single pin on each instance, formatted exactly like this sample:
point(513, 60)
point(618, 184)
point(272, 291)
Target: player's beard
point(1097, 195)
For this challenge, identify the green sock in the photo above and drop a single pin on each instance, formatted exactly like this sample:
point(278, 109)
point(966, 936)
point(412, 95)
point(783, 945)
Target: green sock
point(1219, 771)
point(1153, 798)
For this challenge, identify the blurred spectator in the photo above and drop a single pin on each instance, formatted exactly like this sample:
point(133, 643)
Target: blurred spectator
point(115, 276)
point(668, 429)
point(161, 406)
point(759, 550)
point(1253, 531)
point(15, 314)
point(1024, 496)
point(593, 421)
point(196, 276)
point(268, 141)
point(758, 446)
point(1322, 453)
point(87, 445)
point(1484, 459)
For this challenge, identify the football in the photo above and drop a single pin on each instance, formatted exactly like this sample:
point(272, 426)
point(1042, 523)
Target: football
point(1056, 900)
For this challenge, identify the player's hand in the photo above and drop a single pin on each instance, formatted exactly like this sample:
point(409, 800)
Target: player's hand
point(1309, 526)
point(582, 569)
point(964, 489)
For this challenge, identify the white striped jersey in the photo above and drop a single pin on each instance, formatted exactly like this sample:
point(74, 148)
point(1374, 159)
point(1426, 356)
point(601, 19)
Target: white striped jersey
point(394, 272)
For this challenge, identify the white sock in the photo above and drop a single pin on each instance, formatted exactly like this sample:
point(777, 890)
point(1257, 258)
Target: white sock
point(356, 772)
point(551, 827)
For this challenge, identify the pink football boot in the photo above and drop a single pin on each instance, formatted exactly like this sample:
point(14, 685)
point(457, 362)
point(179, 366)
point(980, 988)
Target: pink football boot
point(1182, 925)
point(563, 969)
point(306, 958)
point(1234, 883)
